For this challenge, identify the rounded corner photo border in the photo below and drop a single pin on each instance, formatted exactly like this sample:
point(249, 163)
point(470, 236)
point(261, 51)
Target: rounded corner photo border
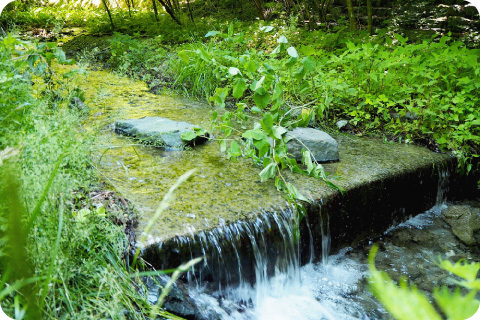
point(3, 3)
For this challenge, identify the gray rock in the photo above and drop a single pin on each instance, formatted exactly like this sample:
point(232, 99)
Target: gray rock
point(341, 123)
point(159, 132)
point(464, 221)
point(177, 301)
point(322, 146)
point(77, 103)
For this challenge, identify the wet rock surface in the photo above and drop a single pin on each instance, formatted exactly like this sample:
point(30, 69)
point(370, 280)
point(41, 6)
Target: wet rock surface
point(464, 221)
point(177, 301)
point(78, 104)
point(412, 249)
point(322, 146)
point(157, 131)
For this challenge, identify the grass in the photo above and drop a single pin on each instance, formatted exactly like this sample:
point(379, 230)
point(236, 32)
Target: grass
point(62, 255)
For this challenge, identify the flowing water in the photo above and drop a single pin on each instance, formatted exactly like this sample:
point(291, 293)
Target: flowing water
point(336, 287)
point(218, 214)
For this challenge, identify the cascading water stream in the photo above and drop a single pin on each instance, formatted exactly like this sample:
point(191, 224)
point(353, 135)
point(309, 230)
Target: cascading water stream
point(327, 290)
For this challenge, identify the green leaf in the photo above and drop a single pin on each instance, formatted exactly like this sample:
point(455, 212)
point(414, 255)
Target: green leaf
point(268, 172)
point(290, 62)
point(223, 146)
point(276, 50)
point(300, 73)
point(259, 84)
point(277, 91)
point(278, 131)
point(183, 56)
point(267, 123)
point(292, 52)
point(307, 50)
point(307, 161)
point(211, 33)
point(254, 134)
point(220, 96)
point(263, 147)
point(239, 88)
point(455, 305)
point(462, 268)
point(235, 149)
point(234, 71)
point(251, 66)
point(309, 63)
point(261, 100)
point(188, 135)
point(203, 54)
point(282, 39)
point(402, 303)
point(267, 28)
point(295, 193)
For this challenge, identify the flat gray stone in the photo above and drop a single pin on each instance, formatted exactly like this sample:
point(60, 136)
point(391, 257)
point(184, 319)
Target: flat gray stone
point(158, 132)
point(322, 146)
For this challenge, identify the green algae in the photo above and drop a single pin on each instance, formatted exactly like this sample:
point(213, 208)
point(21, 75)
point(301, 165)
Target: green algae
point(221, 191)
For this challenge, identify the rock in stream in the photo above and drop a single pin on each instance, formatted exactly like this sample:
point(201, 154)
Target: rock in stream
point(322, 146)
point(157, 131)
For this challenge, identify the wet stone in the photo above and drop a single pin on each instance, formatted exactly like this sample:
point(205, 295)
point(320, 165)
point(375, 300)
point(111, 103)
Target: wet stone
point(77, 103)
point(322, 146)
point(464, 220)
point(177, 301)
point(158, 132)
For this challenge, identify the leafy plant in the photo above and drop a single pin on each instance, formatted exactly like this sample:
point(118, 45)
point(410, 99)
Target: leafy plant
point(406, 302)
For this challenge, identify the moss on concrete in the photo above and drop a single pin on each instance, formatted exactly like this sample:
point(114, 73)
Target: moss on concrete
point(221, 190)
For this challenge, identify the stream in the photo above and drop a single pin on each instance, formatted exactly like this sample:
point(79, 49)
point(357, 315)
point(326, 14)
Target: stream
point(337, 286)
point(222, 193)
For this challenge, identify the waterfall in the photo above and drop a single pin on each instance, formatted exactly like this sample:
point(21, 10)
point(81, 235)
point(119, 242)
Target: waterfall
point(441, 199)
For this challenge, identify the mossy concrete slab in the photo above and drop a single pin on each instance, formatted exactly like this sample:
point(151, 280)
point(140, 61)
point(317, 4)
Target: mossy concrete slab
point(383, 182)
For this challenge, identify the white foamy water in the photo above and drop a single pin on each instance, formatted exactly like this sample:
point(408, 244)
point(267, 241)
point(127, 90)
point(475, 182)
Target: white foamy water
point(321, 291)
point(333, 289)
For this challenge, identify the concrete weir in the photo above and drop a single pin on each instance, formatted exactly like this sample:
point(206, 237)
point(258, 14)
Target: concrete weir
point(224, 212)
point(384, 184)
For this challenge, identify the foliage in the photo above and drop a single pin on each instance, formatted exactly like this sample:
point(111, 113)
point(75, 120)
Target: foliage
point(421, 92)
point(406, 302)
point(59, 255)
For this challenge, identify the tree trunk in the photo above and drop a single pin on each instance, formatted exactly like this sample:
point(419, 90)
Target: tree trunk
point(109, 14)
point(370, 19)
point(258, 6)
point(129, 11)
point(155, 10)
point(353, 24)
point(190, 12)
point(170, 12)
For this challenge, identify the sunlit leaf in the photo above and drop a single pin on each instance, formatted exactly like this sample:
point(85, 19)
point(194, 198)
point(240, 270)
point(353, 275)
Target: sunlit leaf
point(188, 135)
point(278, 131)
point(282, 39)
point(292, 52)
point(268, 172)
point(234, 71)
point(266, 28)
point(254, 134)
point(455, 305)
point(212, 33)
